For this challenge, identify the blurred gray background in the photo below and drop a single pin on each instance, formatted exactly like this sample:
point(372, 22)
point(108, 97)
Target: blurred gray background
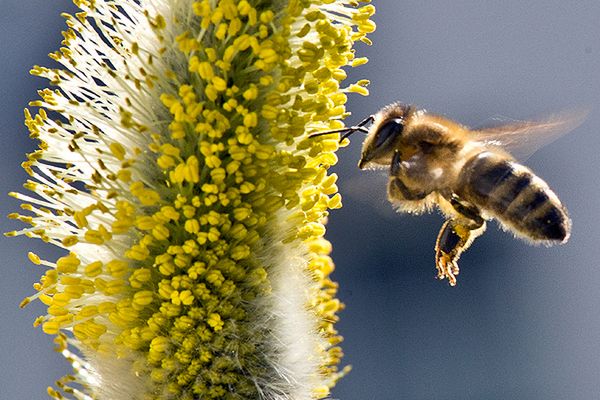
point(523, 322)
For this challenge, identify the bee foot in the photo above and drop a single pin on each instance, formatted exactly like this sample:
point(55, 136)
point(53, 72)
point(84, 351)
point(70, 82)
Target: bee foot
point(447, 268)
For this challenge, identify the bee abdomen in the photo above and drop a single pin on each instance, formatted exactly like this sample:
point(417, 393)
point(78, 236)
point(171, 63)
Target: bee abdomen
point(515, 196)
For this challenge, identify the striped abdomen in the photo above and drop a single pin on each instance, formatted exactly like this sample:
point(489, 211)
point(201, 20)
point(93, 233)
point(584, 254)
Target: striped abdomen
point(511, 193)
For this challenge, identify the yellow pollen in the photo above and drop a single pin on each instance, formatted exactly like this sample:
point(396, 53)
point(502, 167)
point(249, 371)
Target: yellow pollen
point(189, 188)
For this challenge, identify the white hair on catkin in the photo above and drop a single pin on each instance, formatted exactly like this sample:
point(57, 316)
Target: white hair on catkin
point(285, 313)
point(113, 378)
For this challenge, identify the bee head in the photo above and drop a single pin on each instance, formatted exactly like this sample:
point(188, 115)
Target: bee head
point(381, 142)
point(383, 135)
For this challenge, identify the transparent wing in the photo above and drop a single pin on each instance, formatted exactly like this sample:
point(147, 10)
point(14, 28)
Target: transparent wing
point(523, 138)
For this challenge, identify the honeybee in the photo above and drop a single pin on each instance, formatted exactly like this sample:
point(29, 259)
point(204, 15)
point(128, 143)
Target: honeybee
point(470, 175)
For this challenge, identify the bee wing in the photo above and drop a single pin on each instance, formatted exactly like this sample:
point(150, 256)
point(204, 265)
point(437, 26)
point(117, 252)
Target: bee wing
point(523, 138)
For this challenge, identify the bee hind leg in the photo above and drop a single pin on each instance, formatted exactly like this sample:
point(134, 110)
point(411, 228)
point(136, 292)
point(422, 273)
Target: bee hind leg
point(456, 235)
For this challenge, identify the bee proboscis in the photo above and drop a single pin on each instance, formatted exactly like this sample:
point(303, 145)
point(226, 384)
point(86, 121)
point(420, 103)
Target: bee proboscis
point(470, 175)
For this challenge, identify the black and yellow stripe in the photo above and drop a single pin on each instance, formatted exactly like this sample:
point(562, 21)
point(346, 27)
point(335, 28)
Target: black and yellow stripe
point(515, 196)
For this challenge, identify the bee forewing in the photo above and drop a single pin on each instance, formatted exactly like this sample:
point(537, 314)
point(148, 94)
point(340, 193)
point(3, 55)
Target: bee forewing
point(523, 138)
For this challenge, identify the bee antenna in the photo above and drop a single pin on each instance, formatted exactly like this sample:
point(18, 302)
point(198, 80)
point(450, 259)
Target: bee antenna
point(348, 130)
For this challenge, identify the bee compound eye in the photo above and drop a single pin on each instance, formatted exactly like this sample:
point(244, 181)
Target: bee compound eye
point(389, 131)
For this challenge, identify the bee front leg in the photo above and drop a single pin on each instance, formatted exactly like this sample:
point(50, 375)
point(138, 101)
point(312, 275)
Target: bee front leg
point(456, 235)
point(397, 189)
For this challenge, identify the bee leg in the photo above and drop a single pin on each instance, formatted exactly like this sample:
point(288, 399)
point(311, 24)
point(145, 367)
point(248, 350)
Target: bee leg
point(448, 247)
point(456, 235)
point(396, 165)
point(397, 190)
point(468, 211)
